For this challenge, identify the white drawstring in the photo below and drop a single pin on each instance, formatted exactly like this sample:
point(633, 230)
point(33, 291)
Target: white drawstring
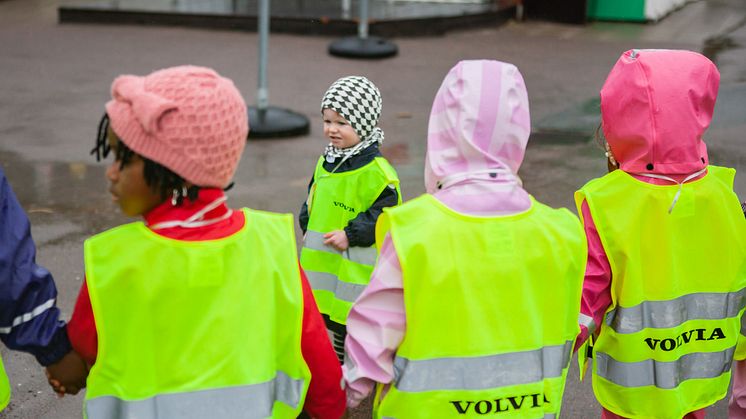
point(196, 220)
point(681, 184)
point(492, 174)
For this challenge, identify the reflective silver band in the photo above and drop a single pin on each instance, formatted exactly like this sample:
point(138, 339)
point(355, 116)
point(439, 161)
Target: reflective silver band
point(342, 290)
point(664, 375)
point(26, 317)
point(672, 313)
point(485, 372)
point(588, 322)
point(362, 255)
point(251, 401)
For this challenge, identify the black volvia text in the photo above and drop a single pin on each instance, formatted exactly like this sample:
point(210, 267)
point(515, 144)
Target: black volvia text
point(482, 407)
point(341, 205)
point(669, 344)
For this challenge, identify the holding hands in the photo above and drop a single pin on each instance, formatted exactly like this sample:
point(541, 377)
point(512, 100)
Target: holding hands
point(68, 375)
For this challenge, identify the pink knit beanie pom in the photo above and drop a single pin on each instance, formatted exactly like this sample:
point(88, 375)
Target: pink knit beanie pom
point(188, 119)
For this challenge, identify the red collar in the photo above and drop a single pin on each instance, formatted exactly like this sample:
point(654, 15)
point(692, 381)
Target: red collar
point(167, 212)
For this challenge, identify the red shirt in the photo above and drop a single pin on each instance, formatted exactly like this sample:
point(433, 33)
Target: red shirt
point(325, 398)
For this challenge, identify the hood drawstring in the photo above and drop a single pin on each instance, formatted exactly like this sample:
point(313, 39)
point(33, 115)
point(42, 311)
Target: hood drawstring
point(486, 174)
point(681, 184)
point(197, 219)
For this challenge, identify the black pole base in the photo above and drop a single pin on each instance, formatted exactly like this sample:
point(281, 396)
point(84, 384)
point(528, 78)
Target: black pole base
point(371, 47)
point(274, 122)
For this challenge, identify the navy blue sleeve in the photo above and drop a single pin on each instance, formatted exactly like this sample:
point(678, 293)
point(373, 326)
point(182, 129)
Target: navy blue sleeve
point(303, 215)
point(361, 230)
point(29, 317)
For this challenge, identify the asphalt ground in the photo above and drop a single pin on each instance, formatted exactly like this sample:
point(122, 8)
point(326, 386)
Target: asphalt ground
point(54, 80)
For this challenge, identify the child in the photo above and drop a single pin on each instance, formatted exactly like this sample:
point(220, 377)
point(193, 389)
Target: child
point(350, 187)
point(200, 311)
point(666, 243)
point(29, 317)
point(472, 307)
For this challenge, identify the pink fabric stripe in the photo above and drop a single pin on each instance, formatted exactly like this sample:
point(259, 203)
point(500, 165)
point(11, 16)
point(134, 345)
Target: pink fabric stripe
point(375, 328)
point(597, 284)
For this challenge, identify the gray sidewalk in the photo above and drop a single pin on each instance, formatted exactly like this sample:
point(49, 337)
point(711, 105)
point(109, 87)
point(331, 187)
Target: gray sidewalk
point(55, 80)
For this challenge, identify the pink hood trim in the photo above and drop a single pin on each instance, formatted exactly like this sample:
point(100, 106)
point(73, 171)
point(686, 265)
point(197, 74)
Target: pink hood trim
point(655, 107)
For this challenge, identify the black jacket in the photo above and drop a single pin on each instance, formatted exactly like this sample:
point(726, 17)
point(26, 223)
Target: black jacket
point(361, 231)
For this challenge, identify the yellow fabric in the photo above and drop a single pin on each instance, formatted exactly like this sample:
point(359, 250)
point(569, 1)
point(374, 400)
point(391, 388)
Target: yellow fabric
point(658, 257)
point(4, 387)
point(179, 316)
point(336, 199)
point(483, 286)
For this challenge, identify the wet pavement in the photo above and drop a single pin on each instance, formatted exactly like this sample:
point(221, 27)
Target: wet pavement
point(55, 80)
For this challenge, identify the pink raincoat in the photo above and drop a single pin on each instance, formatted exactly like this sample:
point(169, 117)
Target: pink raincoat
point(479, 127)
point(655, 107)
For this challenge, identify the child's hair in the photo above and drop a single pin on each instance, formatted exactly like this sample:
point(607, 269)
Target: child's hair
point(187, 123)
point(158, 178)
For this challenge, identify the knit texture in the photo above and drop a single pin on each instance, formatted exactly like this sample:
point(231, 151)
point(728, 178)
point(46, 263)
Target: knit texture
point(187, 118)
point(357, 100)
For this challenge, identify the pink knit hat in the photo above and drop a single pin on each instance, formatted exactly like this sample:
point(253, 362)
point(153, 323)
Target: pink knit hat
point(188, 119)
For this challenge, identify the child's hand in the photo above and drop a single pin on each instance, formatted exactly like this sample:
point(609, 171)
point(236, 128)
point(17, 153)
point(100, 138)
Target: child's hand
point(337, 239)
point(68, 375)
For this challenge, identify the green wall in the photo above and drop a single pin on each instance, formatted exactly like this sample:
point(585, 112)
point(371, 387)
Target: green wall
point(633, 10)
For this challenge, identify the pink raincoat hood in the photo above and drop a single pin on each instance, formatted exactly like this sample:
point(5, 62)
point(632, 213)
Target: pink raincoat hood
point(655, 107)
point(479, 122)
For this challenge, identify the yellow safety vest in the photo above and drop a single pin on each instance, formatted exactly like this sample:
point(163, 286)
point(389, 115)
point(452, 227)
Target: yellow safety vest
point(4, 387)
point(492, 309)
point(678, 289)
point(337, 278)
point(205, 329)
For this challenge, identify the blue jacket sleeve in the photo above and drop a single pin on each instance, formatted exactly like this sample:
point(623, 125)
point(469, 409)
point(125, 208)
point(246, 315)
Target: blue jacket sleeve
point(29, 317)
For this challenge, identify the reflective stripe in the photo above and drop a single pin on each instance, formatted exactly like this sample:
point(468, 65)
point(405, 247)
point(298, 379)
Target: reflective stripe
point(671, 313)
point(342, 290)
point(588, 322)
point(23, 318)
point(362, 255)
point(665, 375)
point(251, 401)
point(478, 373)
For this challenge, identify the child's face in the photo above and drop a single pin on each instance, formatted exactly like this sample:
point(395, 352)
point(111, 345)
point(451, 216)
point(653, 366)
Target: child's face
point(338, 130)
point(127, 184)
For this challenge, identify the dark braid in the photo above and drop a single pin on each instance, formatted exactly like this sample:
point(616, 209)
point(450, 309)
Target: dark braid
point(159, 178)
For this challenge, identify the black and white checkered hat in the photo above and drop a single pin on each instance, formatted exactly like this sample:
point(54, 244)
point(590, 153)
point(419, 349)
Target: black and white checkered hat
point(358, 100)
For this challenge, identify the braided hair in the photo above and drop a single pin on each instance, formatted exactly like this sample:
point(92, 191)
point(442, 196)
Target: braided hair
point(159, 178)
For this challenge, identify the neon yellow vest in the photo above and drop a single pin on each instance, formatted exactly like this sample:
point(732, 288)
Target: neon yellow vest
point(667, 341)
point(197, 329)
point(4, 387)
point(492, 306)
point(338, 278)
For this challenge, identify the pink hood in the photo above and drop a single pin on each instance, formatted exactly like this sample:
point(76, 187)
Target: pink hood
point(479, 122)
point(655, 107)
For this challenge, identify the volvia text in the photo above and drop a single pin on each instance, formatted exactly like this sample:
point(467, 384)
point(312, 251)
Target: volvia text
point(669, 344)
point(500, 405)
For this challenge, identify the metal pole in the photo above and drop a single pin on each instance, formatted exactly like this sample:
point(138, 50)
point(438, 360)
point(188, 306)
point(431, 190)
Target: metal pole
point(362, 27)
point(262, 95)
point(346, 9)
